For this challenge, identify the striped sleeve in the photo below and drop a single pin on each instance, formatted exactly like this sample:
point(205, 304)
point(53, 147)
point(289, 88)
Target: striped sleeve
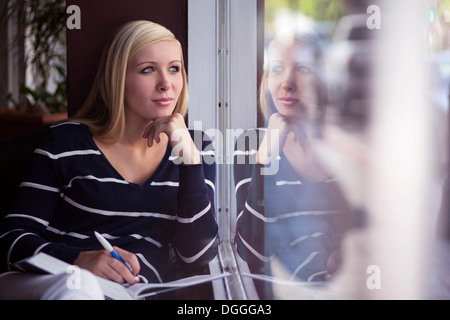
point(23, 230)
point(249, 193)
point(250, 224)
point(196, 230)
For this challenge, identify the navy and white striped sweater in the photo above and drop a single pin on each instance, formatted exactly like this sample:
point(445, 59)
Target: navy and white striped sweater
point(283, 217)
point(72, 190)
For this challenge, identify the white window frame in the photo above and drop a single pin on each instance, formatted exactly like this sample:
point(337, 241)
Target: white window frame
point(222, 69)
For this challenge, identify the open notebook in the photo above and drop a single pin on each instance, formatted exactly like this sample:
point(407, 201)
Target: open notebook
point(44, 263)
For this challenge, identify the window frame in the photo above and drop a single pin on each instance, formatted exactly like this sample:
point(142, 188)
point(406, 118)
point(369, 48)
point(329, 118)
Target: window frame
point(223, 85)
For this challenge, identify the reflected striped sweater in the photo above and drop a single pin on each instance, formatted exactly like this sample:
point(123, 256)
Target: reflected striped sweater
point(282, 218)
point(72, 190)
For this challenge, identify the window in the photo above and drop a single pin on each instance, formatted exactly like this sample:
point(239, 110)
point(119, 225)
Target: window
point(372, 133)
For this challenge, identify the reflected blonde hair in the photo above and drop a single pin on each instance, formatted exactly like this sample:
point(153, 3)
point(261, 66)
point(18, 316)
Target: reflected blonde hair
point(103, 110)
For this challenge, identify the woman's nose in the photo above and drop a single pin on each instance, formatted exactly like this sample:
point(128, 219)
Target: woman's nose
point(288, 83)
point(163, 83)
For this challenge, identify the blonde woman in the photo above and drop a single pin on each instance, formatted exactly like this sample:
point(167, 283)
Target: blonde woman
point(125, 166)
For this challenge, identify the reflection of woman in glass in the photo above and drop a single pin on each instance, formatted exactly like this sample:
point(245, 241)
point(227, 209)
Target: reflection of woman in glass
point(292, 218)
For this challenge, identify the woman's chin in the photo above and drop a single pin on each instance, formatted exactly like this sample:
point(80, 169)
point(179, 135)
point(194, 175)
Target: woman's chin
point(159, 115)
point(290, 113)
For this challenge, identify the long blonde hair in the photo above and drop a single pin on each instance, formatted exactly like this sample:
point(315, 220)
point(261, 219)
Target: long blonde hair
point(103, 110)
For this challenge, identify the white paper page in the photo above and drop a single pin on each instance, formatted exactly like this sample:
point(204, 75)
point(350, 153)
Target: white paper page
point(138, 289)
point(46, 263)
point(49, 264)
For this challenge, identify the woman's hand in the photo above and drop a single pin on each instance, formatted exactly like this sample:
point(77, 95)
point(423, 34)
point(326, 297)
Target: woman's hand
point(103, 264)
point(278, 128)
point(333, 263)
point(180, 139)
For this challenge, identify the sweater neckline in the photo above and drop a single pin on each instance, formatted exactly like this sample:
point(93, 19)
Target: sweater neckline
point(117, 173)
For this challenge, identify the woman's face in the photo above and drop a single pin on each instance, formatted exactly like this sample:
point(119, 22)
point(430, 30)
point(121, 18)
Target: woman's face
point(154, 80)
point(292, 79)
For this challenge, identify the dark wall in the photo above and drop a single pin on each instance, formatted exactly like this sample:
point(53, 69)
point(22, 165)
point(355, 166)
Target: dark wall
point(99, 19)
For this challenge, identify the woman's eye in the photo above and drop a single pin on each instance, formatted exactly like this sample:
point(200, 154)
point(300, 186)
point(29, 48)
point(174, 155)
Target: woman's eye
point(174, 69)
point(277, 69)
point(148, 70)
point(304, 69)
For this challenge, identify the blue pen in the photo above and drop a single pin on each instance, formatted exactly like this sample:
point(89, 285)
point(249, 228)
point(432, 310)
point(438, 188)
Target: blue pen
point(110, 249)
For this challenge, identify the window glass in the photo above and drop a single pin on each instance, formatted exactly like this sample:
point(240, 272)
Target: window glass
point(342, 185)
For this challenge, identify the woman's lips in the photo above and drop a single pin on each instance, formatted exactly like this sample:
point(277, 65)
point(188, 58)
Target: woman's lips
point(163, 101)
point(288, 102)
